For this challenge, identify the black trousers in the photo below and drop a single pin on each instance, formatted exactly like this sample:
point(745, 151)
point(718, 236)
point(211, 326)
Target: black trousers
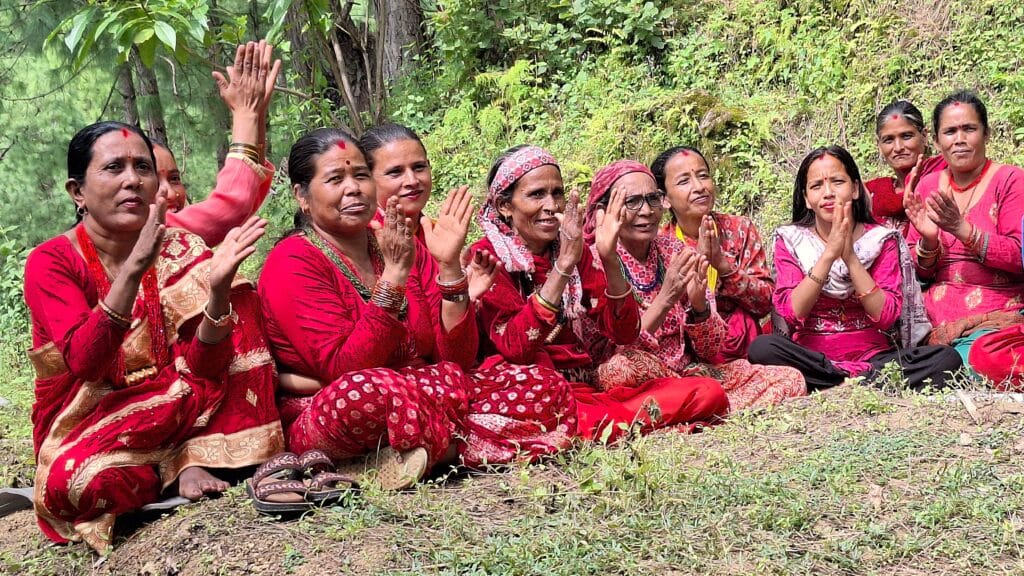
point(919, 363)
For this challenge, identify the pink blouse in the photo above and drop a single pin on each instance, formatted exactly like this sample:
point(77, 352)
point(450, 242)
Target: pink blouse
point(841, 329)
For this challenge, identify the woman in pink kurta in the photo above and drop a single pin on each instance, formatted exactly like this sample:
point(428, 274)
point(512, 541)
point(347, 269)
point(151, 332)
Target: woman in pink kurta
point(390, 337)
point(672, 331)
point(966, 230)
point(841, 286)
point(738, 273)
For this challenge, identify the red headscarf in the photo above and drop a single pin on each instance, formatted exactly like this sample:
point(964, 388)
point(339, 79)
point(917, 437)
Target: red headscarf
point(601, 186)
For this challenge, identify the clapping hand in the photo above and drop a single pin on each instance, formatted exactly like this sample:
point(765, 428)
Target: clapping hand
point(239, 244)
point(446, 236)
point(609, 224)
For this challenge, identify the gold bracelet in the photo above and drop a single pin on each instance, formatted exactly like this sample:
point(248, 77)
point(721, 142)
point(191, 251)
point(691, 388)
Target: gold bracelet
point(118, 318)
point(544, 302)
point(925, 253)
point(618, 296)
point(224, 320)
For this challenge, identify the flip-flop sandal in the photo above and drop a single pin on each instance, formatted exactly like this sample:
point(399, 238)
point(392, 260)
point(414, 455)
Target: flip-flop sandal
point(276, 486)
point(394, 470)
point(330, 487)
point(325, 486)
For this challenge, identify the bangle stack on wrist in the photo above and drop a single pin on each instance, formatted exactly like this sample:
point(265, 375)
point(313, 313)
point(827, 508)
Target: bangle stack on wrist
point(455, 291)
point(556, 308)
point(927, 258)
point(119, 319)
point(618, 296)
point(389, 297)
point(250, 151)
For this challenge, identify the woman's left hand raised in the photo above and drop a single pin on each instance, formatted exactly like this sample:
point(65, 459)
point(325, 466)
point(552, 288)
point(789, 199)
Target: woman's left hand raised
point(239, 244)
point(446, 236)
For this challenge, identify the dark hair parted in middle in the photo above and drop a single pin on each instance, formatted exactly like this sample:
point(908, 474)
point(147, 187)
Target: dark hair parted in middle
point(802, 215)
point(80, 148)
point(302, 160)
point(960, 97)
point(902, 108)
point(658, 166)
point(379, 136)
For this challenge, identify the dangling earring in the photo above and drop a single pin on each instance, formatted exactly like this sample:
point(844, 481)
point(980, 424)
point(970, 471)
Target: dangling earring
point(81, 211)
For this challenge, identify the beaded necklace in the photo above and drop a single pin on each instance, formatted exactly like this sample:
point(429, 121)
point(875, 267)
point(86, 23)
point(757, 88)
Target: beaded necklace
point(659, 274)
point(347, 268)
point(953, 185)
point(150, 301)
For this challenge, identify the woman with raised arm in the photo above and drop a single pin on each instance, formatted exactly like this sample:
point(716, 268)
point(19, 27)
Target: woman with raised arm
point(244, 181)
point(902, 141)
point(150, 368)
point(738, 273)
point(843, 285)
point(672, 286)
point(380, 329)
point(966, 230)
point(549, 283)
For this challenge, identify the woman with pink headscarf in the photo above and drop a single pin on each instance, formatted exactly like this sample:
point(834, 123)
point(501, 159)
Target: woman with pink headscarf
point(550, 287)
point(680, 326)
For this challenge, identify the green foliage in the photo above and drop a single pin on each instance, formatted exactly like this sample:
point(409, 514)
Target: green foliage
point(121, 25)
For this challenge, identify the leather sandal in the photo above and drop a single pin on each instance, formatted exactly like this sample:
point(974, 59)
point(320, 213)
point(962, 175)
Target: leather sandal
point(326, 486)
point(277, 488)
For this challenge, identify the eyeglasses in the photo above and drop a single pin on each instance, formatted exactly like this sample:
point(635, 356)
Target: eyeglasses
point(635, 203)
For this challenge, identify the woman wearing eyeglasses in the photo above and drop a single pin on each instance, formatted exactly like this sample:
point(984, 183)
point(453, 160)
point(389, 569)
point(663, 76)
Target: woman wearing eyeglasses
point(738, 274)
point(680, 330)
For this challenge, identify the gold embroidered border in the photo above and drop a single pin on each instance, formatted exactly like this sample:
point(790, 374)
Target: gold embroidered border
point(47, 361)
point(93, 465)
point(246, 448)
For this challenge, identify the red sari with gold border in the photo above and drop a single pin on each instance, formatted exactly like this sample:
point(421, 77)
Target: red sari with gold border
point(108, 441)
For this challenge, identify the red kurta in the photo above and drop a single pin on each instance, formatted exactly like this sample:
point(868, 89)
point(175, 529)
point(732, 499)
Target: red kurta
point(520, 330)
point(402, 383)
point(105, 447)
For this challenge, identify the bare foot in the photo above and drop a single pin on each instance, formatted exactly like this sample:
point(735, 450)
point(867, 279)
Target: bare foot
point(194, 482)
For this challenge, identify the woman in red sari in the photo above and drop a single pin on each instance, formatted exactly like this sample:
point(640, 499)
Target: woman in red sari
point(534, 312)
point(738, 274)
point(388, 329)
point(902, 141)
point(670, 280)
point(966, 230)
point(150, 368)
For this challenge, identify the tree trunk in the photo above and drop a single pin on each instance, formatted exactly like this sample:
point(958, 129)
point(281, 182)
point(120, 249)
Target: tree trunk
point(151, 111)
point(219, 112)
point(403, 36)
point(126, 88)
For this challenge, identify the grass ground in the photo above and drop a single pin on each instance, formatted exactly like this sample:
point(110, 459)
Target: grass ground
point(854, 481)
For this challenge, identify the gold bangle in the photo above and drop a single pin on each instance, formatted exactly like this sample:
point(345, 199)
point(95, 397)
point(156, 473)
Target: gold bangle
point(117, 317)
point(224, 320)
point(618, 296)
point(544, 302)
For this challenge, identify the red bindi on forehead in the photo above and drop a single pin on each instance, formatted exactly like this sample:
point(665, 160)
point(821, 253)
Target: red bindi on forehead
point(340, 144)
point(895, 116)
point(956, 103)
point(684, 152)
point(125, 132)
